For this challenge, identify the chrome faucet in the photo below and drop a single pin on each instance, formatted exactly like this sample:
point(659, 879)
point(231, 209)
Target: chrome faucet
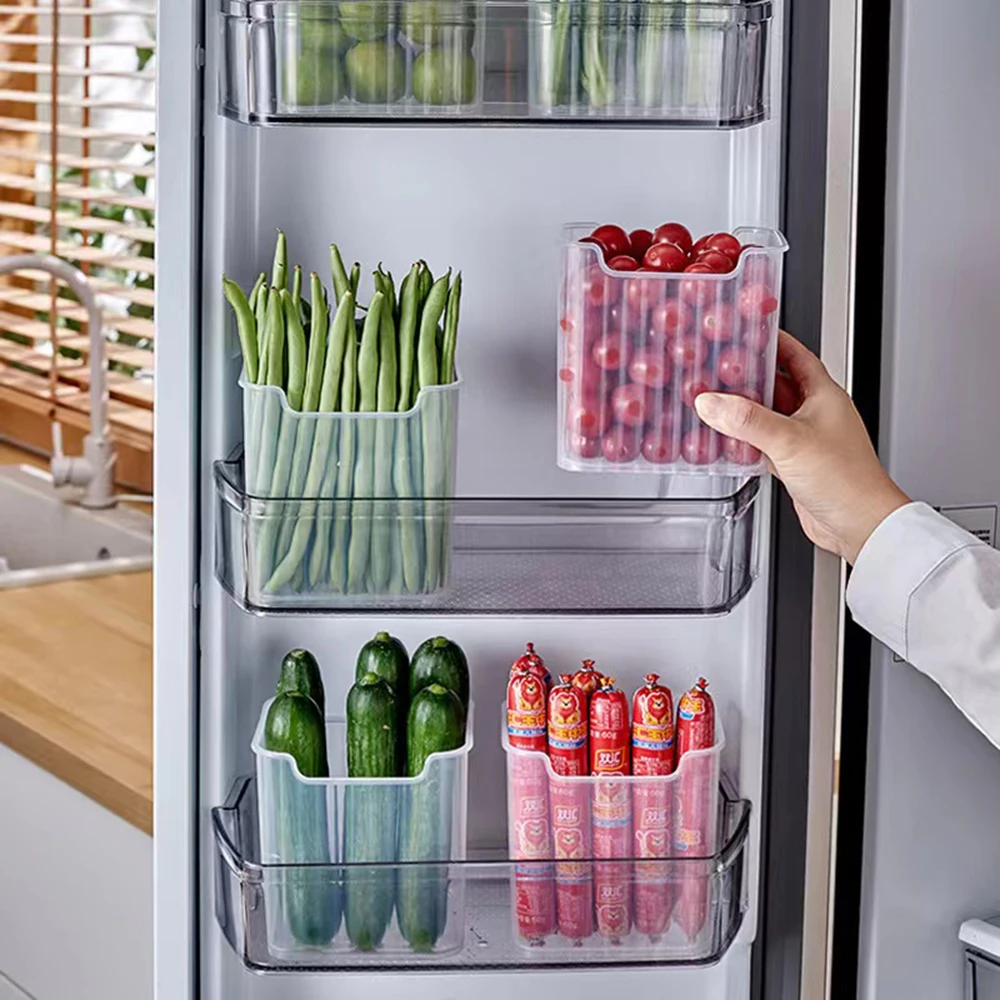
point(93, 471)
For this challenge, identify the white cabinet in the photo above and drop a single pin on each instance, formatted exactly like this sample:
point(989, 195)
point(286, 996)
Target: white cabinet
point(76, 909)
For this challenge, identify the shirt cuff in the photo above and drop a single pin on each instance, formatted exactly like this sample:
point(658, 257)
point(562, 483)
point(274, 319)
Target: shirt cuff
point(898, 556)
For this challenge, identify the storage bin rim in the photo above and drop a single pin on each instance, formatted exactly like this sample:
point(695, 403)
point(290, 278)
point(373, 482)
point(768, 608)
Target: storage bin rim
point(777, 246)
point(275, 391)
point(434, 759)
point(638, 780)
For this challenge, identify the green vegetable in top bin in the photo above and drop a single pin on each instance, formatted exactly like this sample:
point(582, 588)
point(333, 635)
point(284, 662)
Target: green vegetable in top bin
point(365, 20)
point(319, 78)
point(376, 72)
point(444, 76)
point(435, 22)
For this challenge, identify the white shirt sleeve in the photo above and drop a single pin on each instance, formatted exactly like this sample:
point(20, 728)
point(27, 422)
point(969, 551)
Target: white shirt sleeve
point(931, 592)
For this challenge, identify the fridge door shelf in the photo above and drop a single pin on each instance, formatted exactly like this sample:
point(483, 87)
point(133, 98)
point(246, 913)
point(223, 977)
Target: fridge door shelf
point(509, 555)
point(698, 63)
point(481, 927)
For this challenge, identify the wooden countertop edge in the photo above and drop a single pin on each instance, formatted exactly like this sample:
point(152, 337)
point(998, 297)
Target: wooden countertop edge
point(125, 802)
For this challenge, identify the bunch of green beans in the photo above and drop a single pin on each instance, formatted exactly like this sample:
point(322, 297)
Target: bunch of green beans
point(358, 502)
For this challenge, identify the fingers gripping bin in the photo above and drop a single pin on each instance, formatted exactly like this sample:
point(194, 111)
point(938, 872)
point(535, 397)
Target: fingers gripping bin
point(358, 850)
point(313, 60)
point(637, 347)
point(347, 504)
point(633, 864)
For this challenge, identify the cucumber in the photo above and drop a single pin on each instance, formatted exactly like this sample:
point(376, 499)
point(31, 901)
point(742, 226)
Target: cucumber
point(440, 661)
point(312, 902)
point(436, 723)
point(370, 811)
point(300, 673)
point(386, 656)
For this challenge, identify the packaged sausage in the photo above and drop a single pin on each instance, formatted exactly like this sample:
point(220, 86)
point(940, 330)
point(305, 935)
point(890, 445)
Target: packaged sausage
point(570, 810)
point(652, 755)
point(587, 679)
point(695, 802)
point(534, 664)
point(528, 808)
point(611, 810)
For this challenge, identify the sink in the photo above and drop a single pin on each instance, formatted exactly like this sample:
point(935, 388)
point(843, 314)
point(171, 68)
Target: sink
point(43, 539)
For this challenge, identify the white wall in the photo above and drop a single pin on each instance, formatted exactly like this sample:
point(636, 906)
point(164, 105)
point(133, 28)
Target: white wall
point(933, 814)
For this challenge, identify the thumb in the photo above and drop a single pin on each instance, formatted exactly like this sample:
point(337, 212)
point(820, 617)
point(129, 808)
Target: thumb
point(745, 420)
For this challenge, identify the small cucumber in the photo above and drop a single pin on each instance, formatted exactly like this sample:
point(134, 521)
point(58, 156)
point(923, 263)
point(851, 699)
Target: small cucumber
point(440, 661)
point(436, 723)
point(312, 902)
point(300, 673)
point(370, 811)
point(386, 656)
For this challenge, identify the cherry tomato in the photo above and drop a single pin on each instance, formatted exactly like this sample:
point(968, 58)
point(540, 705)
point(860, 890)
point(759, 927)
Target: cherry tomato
point(584, 447)
point(674, 232)
point(660, 446)
point(718, 323)
point(695, 291)
point(639, 241)
point(600, 244)
point(688, 352)
point(585, 376)
point(757, 336)
point(620, 444)
point(611, 352)
point(670, 317)
point(739, 452)
point(628, 403)
point(756, 269)
point(700, 245)
point(613, 237)
point(715, 261)
point(589, 417)
point(701, 446)
point(650, 367)
point(733, 366)
point(693, 385)
point(623, 263)
point(725, 243)
point(756, 301)
point(598, 288)
point(665, 257)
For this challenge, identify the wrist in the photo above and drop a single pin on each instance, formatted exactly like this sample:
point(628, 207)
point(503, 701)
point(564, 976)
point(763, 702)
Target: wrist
point(874, 508)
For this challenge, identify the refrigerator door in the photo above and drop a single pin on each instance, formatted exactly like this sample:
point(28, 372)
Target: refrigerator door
point(931, 811)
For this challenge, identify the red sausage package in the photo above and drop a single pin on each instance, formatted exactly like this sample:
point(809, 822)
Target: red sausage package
point(528, 807)
point(611, 810)
point(652, 754)
point(570, 806)
point(587, 679)
point(534, 664)
point(694, 805)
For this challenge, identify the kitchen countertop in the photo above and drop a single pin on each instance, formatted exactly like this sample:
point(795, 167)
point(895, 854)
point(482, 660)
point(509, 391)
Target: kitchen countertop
point(76, 684)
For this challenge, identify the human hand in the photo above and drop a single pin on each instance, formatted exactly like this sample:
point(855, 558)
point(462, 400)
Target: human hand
point(817, 445)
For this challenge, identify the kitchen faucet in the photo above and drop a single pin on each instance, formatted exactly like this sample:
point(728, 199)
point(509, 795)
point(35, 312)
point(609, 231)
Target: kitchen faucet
point(93, 470)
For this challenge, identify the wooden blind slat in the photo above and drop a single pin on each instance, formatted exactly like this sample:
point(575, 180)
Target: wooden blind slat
point(67, 191)
point(15, 38)
point(78, 131)
point(75, 252)
point(85, 223)
point(95, 104)
point(98, 163)
point(133, 357)
point(39, 302)
point(74, 10)
point(14, 66)
point(112, 289)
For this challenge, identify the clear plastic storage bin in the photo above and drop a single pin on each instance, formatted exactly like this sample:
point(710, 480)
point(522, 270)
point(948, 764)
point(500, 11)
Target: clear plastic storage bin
point(524, 556)
point(356, 502)
point(687, 62)
point(312, 825)
point(636, 347)
point(286, 60)
point(245, 888)
point(617, 864)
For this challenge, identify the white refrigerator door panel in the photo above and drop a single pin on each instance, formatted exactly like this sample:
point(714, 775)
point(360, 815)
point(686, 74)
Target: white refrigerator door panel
point(933, 812)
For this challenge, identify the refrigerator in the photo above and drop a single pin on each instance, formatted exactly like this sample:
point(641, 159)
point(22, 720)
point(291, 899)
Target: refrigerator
point(755, 125)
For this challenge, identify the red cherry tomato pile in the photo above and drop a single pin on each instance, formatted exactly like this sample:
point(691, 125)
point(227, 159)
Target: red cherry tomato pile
point(683, 317)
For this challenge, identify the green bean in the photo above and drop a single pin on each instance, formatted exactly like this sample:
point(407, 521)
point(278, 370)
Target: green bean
point(275, 339)
point(408, 507)
point(428, 368)
point(426, 281)
point(341, 284)
point(296, 352)
point(255, 291)
point(358, 557)
point(381, 542)
point(279, 270)
point(260, 315)
point(246, 325)
point(297, 290)
point(451, 332)
point(319, 327)
point(345, 469)
point(409, 308)
point(355, 278)
point(388, 289)
point(320, 556)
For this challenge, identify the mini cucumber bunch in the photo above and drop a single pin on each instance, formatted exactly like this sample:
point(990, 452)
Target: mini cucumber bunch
point(325, 359)
point(399, 712)
point(295, 725)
